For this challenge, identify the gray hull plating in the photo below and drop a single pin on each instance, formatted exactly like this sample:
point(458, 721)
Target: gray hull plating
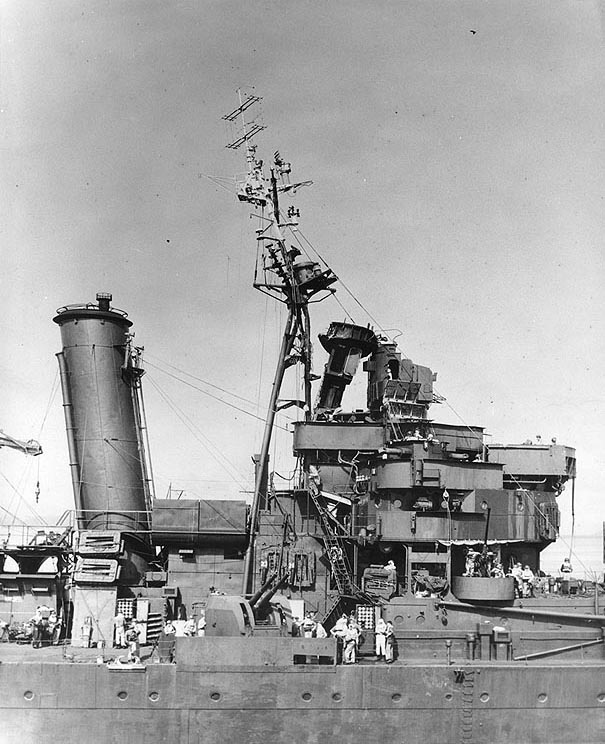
point(412, 704)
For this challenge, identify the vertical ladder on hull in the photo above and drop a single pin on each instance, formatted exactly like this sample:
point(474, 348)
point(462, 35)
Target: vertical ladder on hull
point(466, 722)
point(336, 555)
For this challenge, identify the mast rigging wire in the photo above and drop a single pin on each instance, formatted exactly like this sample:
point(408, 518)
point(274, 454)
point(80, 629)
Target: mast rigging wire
point(188, 374)
point(14, 517)
point(22, 500)
point(212, 449)
point(349, 292)
point(51, 399)
point(214, 397)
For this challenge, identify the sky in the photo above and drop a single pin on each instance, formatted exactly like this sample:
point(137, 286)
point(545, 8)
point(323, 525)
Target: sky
point(456, 153)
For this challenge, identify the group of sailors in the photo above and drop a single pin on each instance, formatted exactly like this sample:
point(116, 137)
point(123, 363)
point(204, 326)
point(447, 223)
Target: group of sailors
point(127, 632)
point(190, 627)
point(525, 580)
point(45, 625)
point(484, 564)
point(127, 635)
point(347, 631)
point(385, 640)
point(43, 628)
point(309, 627)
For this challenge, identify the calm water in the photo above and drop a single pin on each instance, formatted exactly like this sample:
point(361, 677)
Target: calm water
point(586, 558)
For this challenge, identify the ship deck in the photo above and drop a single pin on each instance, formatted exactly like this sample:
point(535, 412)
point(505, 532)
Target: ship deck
point(13, 653)
point(25, 653)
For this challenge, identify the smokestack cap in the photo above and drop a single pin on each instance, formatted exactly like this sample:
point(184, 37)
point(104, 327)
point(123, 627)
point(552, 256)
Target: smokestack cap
point(104, 298)
point(101, 310)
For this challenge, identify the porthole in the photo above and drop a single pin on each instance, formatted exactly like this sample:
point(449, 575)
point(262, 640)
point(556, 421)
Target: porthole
point(154, 696)
point(122, 694)
point(307, 696)
point(28, 695)
point(484, 697)
point(601, 697)
point(336, 697)
point(216, 696)
point(396, 697)
point(449, 696)
point(542, 697)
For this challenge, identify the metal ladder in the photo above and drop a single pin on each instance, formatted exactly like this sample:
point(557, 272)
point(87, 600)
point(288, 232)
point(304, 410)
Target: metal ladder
point(336, 555)
point(466, 710)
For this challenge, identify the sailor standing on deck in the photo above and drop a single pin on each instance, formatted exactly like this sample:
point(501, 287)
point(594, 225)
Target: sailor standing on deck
point(190, 627)
point(120, 630)
point(36, 622)
point(320, 631)
point(340, 626)
point(308, 626)
point(350, 640)
point(527, 579)
point(516, 572)
point(380, 632)
point(471, 557)
point(389, 643)
point(201, 624)
point(338, 632)
point(566, 572)
point(132, 637)
point(391, 570)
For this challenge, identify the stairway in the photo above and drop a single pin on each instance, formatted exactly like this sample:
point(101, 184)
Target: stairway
point(335, 552)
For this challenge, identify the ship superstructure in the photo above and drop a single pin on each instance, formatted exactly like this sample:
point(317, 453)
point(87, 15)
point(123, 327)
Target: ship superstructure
point(384, 482)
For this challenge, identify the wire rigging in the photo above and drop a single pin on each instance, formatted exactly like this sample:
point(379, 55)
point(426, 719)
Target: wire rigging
point(194, 377)
point(21, 501)
point(214, 451)
point(51, 399)
point(214, 397)
point(345, 287)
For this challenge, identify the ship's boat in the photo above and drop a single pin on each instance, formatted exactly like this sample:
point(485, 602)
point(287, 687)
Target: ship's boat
point(390, 591)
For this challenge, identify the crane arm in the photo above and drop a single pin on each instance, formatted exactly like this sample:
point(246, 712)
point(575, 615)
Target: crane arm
point(31, 447)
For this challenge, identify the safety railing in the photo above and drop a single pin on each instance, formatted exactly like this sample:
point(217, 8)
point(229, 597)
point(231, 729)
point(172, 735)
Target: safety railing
point(36, 536)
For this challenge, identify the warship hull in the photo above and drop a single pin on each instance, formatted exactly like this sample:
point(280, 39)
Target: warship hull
point(414, 703)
